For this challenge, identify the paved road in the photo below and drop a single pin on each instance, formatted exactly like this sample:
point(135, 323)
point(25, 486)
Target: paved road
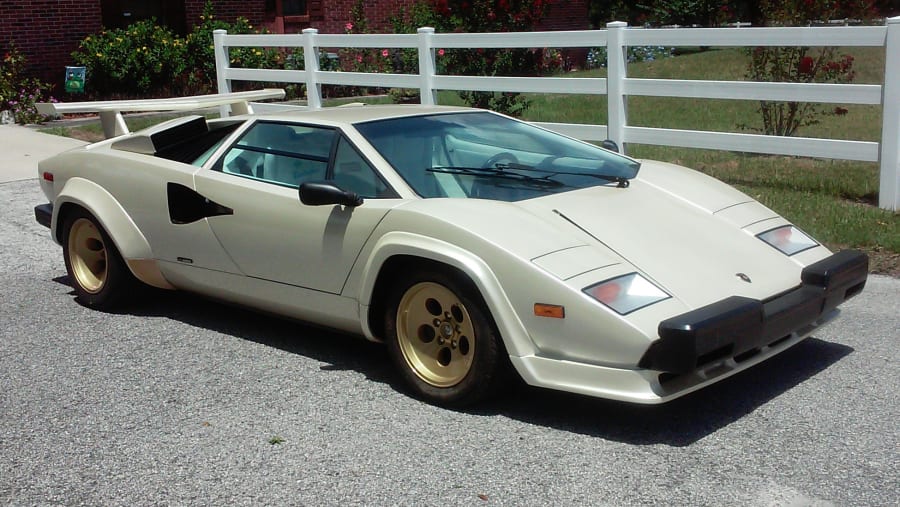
point(176, 401)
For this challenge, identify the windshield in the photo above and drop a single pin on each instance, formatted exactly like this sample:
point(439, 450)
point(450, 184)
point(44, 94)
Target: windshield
point(488, 156)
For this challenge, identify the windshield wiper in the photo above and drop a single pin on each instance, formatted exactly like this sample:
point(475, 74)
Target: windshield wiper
point(620, 181)
point(498, 172)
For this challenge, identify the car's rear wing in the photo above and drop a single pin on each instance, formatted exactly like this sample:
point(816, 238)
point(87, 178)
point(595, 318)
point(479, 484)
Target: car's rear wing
point(111, 110)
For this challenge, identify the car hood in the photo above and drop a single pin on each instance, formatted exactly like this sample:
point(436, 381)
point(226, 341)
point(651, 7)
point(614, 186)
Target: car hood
point(679, 242)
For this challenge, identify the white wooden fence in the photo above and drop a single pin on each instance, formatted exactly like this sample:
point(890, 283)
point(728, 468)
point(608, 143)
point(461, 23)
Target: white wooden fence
point(617, 86)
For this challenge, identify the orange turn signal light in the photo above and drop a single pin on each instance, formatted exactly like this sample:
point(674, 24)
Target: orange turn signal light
point(552, 311)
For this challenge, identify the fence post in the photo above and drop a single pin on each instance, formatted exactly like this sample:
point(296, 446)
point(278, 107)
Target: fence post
point(222, 64)
point(617, 110)
point(889, 184)
point(427, 68)
point(311, 65)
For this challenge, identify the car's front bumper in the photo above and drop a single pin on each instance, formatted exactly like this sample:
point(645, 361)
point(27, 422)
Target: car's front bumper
point(739, 326)
point(43, 213)
point(704, 346)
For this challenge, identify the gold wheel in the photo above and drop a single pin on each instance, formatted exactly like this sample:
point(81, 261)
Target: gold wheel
point(435, 334)
point(87, 255)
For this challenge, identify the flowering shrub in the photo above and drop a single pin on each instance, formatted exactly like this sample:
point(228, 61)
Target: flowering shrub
point(363, 59)
point(797, 65)
point(801, 64)
point(131, 60)
point(201, 59)
point(473, 16)
point(393, 60)
point(495, 16)
point(145, 58)
point(19, 94)
point(491, 15)
point(408, 21)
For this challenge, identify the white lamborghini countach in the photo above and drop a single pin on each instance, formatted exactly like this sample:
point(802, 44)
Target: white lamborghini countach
point(475, 246)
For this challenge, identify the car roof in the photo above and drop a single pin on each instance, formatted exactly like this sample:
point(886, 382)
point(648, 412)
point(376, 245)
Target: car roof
point(359, 113)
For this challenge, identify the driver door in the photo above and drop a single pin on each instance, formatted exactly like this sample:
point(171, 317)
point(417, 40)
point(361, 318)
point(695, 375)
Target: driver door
point(271, 235)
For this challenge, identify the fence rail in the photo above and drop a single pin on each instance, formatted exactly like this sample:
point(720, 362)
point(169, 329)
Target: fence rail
point(617, 86)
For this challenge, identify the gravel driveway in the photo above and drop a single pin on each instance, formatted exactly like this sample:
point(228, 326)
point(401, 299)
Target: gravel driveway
point(183, 401)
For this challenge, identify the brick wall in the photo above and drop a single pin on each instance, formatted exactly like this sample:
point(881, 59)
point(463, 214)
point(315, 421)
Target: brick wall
point(47, 31)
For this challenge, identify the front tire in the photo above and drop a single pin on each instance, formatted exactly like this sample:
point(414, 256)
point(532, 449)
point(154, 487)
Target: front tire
point(98, 274)
point(443, 341)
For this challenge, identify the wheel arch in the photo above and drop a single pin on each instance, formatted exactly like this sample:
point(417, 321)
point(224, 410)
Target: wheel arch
point(124, 233)
point(400, 251)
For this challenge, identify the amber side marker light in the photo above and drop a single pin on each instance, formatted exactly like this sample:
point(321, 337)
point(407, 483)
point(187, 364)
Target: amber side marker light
point(48, 176)
point(552, 311)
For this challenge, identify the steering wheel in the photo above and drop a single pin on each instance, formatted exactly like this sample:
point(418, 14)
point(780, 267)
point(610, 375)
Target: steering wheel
point(503, 155)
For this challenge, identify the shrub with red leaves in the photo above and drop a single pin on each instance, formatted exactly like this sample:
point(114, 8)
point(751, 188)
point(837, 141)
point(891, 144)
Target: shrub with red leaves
point(802, 64)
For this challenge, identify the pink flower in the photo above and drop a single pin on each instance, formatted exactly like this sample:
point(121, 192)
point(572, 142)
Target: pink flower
point(440, 52)
point(384, 53)
point(359, 58)
point(349, 26)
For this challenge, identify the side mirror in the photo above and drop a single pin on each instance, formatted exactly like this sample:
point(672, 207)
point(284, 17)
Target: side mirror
point(610, 145)
point(321, 193)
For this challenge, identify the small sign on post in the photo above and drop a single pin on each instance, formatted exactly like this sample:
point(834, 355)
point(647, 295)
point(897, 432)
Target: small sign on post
point(75, 79)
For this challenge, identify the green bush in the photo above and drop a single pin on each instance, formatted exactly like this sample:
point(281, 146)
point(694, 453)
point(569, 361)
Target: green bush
point(201, 53)
point(19, 94)
point(133, 60)
point(409, 21)
point(473, 16)
point(145, 59)
point(685, 12)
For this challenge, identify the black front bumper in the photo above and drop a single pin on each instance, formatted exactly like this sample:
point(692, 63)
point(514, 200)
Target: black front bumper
point(43, 213)
point(738, 325)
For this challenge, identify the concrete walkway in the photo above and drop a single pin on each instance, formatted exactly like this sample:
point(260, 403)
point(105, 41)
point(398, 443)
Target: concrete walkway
point(21, 149)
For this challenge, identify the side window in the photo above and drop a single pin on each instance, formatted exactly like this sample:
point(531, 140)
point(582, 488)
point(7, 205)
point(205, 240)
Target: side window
point(281, 153)
point(352, 172)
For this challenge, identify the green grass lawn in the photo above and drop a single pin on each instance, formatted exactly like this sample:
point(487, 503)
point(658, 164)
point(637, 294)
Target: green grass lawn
point(834, 200)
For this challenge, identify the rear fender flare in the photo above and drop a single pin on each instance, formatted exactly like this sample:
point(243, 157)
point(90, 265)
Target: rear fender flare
point(512, 330)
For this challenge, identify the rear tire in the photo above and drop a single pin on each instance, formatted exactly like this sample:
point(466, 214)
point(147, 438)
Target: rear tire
point(98, 274)
point(443, 341)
